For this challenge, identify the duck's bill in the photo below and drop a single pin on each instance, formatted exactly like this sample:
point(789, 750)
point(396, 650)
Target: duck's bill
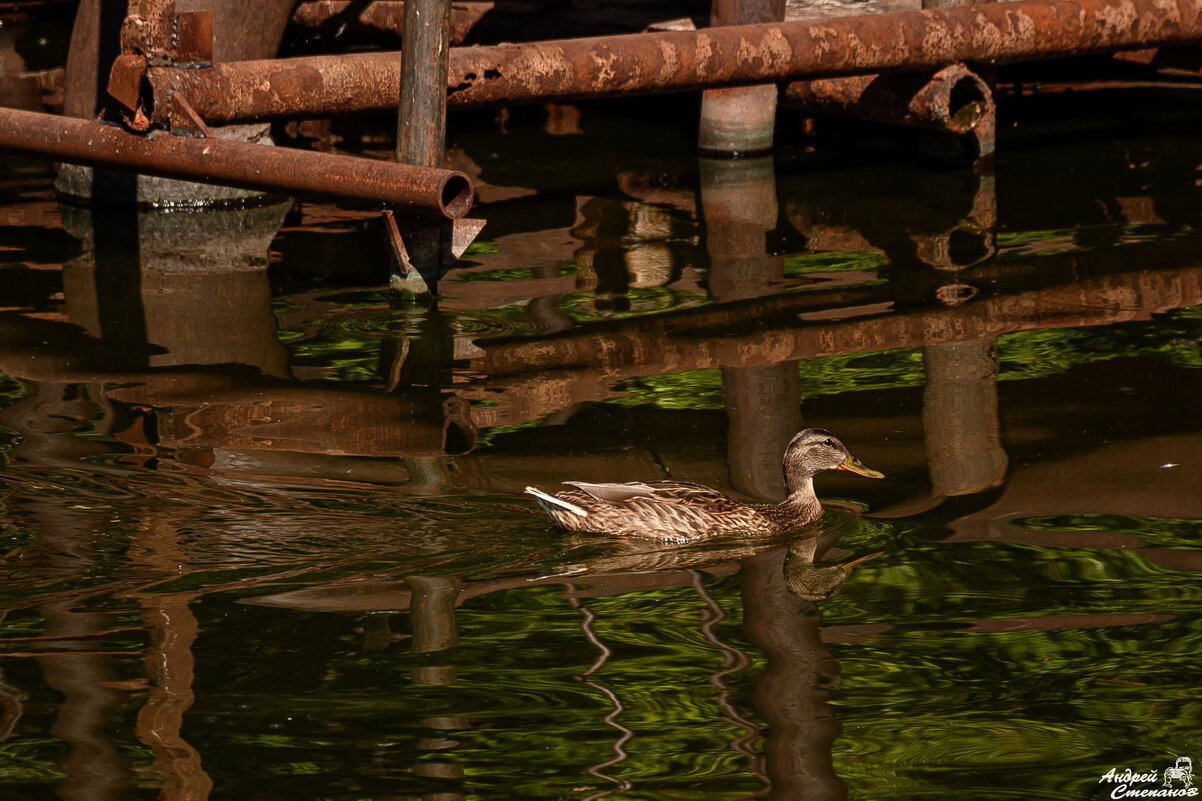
point(853, 465)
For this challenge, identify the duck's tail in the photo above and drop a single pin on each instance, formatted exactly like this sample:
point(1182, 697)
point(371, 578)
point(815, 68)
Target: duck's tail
point(556, 504)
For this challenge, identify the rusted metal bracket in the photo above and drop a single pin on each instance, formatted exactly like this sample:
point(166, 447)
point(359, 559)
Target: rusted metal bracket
point(456, 237)
point(125, 80)
point(195, 122)
point(404, 277)
point(154, 34)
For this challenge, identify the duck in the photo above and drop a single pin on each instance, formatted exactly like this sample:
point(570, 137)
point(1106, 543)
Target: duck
point(684, 511)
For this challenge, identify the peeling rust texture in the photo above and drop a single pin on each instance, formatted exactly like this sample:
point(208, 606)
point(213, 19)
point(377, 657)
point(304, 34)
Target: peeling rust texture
point(953, 99)
point(383, 15)
point(671, 61)
point(125, 80)
point(422, 112)
point(194, 37)
point(425, 190)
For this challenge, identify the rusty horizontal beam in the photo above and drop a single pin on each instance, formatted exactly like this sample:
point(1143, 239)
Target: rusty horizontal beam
point(240, 164)
point(670, 61)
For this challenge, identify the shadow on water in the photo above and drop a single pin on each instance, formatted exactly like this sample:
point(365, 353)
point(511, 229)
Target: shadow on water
point(263, 534)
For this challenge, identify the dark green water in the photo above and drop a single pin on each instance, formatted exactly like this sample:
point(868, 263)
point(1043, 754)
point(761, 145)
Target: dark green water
point(263, 535)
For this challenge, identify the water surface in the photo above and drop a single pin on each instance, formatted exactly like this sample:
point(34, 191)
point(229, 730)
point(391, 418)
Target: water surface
point(263, 533)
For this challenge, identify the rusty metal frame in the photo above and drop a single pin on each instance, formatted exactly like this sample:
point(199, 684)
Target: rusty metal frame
point(669, 61)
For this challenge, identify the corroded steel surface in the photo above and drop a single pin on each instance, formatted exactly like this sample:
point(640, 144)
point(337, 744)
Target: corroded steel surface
point(238, 164)
point(686, 60)
point(383, 15)
point(422, 117)
point(953, 99)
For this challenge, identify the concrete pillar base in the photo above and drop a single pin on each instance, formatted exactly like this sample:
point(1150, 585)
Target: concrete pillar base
point(737, 122)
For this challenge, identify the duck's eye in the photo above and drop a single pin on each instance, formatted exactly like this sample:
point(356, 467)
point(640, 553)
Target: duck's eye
point(828, 443)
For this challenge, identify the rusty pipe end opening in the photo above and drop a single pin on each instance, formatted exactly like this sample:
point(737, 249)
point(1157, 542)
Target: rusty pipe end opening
point(968, 102)
point(456, 195)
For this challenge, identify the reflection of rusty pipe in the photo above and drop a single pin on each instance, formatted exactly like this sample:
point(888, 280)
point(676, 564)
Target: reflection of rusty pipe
point(953, 99)
point(239, 164)
point(669, 61)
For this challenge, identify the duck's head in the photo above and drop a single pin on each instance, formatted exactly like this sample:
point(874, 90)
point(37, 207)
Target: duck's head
point(809, 582)
point(816, 449)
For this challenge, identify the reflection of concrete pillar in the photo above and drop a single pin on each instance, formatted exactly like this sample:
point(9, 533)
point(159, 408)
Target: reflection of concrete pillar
point(960, 415)
point(432, 610)
point(791, 694)
point(739, 205)
point(171, 666)
point(191, 283)
point(46, 421)
point(740, 120)
point(763, 405)
point(95, 769)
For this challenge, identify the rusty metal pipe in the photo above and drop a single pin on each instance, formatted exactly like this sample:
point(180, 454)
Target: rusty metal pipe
point(687, 60)
point(953, 99)
point(240, 164)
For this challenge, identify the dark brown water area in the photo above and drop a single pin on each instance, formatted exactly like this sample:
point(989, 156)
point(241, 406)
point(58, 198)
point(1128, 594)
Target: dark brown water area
point(263, 536)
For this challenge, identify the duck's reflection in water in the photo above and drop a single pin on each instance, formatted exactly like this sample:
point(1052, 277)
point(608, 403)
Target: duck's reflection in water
point(781, 582)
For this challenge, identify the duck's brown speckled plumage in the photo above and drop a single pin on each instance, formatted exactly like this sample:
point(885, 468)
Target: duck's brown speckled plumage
point(679, 510)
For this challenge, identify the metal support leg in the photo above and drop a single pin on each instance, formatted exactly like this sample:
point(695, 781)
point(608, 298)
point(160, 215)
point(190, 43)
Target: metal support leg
point(421, 132)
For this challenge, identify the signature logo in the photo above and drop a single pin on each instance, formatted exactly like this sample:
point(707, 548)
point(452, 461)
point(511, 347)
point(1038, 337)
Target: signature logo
point(1175, 781)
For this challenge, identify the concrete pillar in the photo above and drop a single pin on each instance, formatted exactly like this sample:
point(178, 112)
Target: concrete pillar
point(739, 121)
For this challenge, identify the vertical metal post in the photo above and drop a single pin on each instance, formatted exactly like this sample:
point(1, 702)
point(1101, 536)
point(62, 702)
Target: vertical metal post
point(422, 118)
point(740, 120)
point(421, 133)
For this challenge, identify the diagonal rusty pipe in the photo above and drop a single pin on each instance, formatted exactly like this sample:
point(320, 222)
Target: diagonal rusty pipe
point(269, 169)
point(686, 60)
